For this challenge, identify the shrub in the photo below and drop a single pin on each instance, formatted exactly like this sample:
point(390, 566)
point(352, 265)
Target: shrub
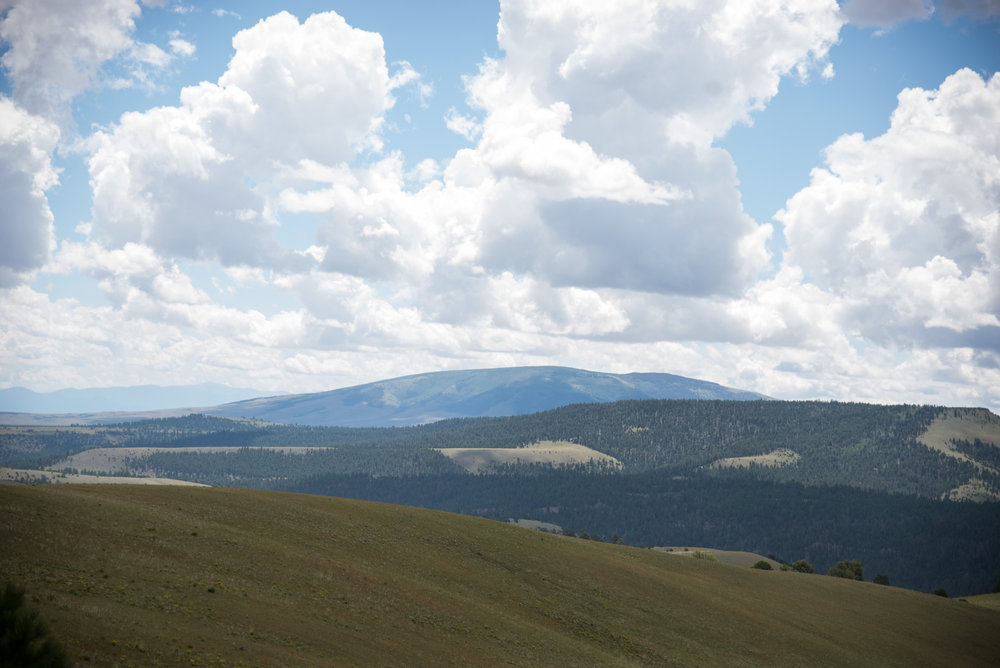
point(849, 569)
point(940, 592)
point(763, 565)
point(803, 566)
point(881, 579)
point(25, 639)
point(700, 554)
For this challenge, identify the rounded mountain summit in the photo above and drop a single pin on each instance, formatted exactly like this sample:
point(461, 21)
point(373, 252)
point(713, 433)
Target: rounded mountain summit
point(429, 397)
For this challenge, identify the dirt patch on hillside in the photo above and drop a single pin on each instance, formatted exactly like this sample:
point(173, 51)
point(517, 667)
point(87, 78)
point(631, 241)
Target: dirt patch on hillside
point(965, 424)
point(962, 424)
point(116, 460)
point(780, 457)
point(551, 453)
point(29, 476)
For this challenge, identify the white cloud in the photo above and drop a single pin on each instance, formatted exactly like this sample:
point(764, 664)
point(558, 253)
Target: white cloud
point(87, 34)
point(195, 180)
point(463, 125)
point(602, 144)
point(182, 47)
point(591, 222)
point(26, 172)
point(905, 227)
point(150, 54)
point(225, 12)
point(321, 87)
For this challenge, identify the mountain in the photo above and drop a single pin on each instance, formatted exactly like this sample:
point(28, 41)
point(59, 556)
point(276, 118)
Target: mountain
point(118, 399)
point(208, 576)
point(431, 397)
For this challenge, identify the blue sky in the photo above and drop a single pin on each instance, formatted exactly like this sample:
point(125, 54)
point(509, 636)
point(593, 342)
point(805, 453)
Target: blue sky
point(796, 198)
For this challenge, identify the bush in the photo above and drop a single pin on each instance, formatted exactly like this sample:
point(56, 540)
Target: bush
point(881, 579)
point(24, 636)
point(848, 569)
point(707, 556)
point(803, 566)
point(763, 565)
point(940, 592)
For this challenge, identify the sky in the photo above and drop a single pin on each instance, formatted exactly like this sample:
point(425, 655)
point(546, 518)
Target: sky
point(793, 197)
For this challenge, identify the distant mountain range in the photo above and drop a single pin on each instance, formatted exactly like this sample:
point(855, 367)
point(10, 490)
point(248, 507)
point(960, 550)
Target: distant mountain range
point(401, 401)
point(477, 393)
point(135, 398)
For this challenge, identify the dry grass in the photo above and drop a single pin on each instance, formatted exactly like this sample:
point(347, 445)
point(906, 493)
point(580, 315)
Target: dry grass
point(968, 425)
point(780, 457)
point(35, 476)
point(115, 460)
point(965, 424)
point(731, 557)
point(988, 601)
point(552, 453)
point(131, 575)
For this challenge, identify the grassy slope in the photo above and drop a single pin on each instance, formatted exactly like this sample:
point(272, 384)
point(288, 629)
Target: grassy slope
point(282, 579)
point(966, 424)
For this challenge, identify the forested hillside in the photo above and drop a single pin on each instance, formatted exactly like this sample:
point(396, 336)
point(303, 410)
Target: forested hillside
point(858, 445)
point(851, 481)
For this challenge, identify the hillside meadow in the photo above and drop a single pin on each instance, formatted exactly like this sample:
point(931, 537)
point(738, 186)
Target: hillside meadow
point(145, 575)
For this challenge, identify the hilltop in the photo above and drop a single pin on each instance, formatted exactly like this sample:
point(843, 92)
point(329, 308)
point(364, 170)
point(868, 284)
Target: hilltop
point(146, 575)
point(430, 397)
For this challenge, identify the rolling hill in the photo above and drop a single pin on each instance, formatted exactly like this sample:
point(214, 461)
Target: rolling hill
point(430, 397)
point(130, 575)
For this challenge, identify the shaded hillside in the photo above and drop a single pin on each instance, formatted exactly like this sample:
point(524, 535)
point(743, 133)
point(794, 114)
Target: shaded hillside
point(130, 575)
point(483, 392)
point(917, 543)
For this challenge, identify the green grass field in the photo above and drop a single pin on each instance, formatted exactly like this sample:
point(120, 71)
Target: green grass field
point(130, 575)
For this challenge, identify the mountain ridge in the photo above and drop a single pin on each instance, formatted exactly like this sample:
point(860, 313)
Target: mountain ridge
point(429, 397)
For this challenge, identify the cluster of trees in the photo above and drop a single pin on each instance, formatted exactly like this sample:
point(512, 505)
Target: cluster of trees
point(258, 467)
point(850, 569)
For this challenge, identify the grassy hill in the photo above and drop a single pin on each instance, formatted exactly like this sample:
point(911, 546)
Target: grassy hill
point(130, 575)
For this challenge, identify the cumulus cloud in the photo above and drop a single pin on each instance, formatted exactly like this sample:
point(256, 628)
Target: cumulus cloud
point(26, 172)
point(590, 221)
point(598, 147)
point(195, 180)
point(87, 34)
point(905, 227)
